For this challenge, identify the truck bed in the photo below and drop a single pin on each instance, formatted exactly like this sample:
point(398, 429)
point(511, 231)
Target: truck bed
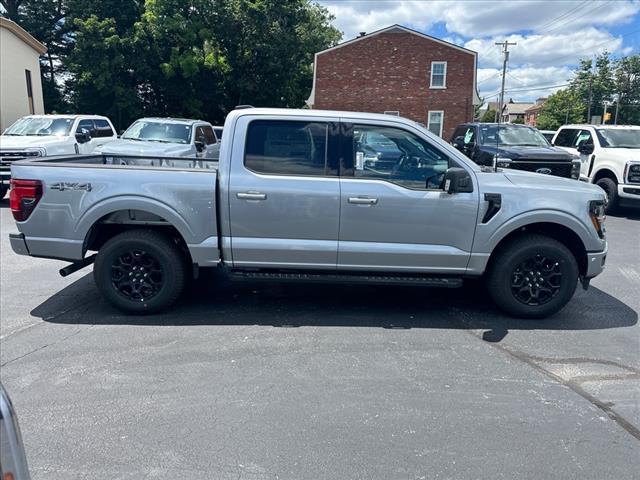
point(80, 192)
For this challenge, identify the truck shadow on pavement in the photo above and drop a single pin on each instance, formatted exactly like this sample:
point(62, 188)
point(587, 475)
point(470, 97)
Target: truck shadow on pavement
point(213, 300)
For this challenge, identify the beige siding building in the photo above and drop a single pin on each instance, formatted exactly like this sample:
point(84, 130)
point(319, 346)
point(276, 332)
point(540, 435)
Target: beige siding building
point(20, 84)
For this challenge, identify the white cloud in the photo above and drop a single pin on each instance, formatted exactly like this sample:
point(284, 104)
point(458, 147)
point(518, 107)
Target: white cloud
point(479, 18)
point(551, 36)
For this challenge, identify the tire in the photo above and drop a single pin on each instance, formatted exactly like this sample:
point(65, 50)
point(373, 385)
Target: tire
point(528, 261)
point(3, 191)
point(126, 255)
point(611, 189)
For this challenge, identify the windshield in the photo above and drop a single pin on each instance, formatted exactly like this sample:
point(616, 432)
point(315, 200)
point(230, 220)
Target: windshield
point(511, 135)
point(152, 131)
point(59, 127)
point(619, 138)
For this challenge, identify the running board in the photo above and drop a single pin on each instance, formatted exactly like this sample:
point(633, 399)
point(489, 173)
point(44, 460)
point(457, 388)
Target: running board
point(426, 281)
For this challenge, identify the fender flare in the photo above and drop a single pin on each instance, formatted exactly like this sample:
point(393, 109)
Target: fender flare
point(128, 202)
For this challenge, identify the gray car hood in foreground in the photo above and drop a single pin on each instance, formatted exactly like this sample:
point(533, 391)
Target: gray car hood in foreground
point(135, 147)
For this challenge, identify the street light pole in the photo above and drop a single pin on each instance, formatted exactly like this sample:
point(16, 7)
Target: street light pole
point(505, 51)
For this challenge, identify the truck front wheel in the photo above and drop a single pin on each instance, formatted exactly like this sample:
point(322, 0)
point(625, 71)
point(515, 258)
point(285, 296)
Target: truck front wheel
point(534, 276)
point(140, 271)
point(611, 189)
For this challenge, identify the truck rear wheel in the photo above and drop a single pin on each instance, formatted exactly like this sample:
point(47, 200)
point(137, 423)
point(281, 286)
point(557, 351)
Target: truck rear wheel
point(611, 189)
point(533, 277)
point(140, 271)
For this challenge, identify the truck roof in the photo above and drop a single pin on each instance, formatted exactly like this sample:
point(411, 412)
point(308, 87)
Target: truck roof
point(66, 115)
point(188, 121)
point(320, 113)
point(586, 125)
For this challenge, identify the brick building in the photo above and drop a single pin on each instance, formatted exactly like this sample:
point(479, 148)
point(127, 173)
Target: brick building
point(399, 71)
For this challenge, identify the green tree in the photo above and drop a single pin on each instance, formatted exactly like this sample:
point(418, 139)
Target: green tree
point(561, 108)
point(627, 87)
point(489, 116)
point(594, 85)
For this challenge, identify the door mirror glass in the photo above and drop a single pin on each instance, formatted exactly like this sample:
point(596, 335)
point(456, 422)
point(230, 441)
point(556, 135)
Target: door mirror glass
point(199, 145)
point(457, 180)
point(585, 148)
point(458, 142)
point(83, 136)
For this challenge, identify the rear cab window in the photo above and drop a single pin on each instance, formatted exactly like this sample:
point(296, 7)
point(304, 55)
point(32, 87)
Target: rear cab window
point(102, 128)
point(283, 147)
point(566, 137)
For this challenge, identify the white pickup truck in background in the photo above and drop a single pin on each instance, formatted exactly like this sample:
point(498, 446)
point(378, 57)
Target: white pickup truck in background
point(166, 137)
point(610, 158)
point(47, 135)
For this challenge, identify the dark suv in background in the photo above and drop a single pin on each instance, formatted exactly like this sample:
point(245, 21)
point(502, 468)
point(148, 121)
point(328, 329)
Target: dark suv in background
point(514, 146)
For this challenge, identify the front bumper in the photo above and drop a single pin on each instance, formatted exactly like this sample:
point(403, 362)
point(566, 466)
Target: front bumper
point(596, 262)
point(629, 194)
point(18, 243)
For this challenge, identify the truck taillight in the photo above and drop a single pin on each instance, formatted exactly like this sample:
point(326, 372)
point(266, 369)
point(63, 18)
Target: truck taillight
point(25, 195)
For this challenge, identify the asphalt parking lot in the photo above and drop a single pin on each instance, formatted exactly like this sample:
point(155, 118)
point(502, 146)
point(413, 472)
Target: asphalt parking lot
point(266, 381)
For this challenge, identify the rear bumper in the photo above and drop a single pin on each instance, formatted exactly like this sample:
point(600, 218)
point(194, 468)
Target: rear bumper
point(596, 262)
point(18, 243)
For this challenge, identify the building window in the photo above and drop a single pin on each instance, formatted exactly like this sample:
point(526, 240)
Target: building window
point(29, 92)
point(435, 122)
point(438, 74)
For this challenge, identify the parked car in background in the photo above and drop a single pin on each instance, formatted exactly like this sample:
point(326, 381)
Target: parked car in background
point(293, 198)
point(42, 135)
point(166, 137)
point(13, 461)
point(548, 134)
point(218, 131)
point(518, 147)
point(610, 158)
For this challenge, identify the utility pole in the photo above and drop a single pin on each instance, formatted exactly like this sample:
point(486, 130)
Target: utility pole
point(615, 119)
point(593, 72)
point(505, 51)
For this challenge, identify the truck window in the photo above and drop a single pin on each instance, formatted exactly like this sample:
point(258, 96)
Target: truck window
point(401, 158)
point(209, 136)
point(583, 137)
point(85, 125)
point(566, 137)
point(103, 128)
point(287, 148)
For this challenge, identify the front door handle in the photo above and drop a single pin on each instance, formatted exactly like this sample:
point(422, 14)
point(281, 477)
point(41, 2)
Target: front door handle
point(251, 195)
point(363, 200)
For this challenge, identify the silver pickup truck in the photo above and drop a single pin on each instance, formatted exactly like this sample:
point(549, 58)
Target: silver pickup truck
point(296, 196)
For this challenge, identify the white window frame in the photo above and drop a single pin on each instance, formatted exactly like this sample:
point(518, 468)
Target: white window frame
point(392, 112)
point(444, 82)
point(441, 112)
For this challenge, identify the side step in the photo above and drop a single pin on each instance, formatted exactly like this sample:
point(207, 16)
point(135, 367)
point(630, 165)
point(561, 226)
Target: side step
point(380, 279)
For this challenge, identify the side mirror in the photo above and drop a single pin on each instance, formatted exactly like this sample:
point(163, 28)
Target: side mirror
point(83, 137)
point(585, 148)
point(458, 143)
point(200, 144)
point(457, 180)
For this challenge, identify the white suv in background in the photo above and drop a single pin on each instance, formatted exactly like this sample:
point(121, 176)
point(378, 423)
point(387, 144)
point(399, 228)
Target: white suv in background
point(610, 158)
point(46, 135)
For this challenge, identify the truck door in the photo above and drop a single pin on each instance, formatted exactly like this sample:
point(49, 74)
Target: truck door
point(394, 215)
point(284, 193)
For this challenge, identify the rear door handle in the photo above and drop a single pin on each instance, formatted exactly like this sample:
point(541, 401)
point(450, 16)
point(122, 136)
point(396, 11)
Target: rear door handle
point(363, 200)
point(251, 195)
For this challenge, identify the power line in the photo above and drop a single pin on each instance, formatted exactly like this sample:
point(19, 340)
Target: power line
point(556, 19)
point(571, 20)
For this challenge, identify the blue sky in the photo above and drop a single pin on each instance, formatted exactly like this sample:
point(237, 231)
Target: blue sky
point(552, 35)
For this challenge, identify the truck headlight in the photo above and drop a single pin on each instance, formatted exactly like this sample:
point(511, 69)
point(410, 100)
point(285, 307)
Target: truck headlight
point(35, 152)
point(596, 212)
point(632, 172)
point(502, 162)
point(575, 169)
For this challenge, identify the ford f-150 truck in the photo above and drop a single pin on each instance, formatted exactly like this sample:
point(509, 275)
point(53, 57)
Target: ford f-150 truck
point(293, 198)
point(41, 135)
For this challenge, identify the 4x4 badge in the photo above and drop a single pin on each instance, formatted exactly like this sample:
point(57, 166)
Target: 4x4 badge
point(62, 186)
